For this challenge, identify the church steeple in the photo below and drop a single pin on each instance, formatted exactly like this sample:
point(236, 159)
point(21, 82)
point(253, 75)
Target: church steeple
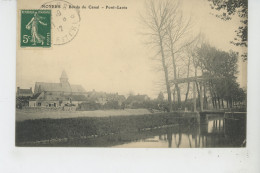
point(64, 77)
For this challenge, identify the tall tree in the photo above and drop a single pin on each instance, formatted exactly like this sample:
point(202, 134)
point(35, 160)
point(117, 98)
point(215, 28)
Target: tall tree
point(160, 97)
point(230, 8)
point(191, 60)
point(221, 70)
point(156, 19)
point(176, 35)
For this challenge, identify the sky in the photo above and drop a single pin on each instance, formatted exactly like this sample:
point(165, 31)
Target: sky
point(108, 53)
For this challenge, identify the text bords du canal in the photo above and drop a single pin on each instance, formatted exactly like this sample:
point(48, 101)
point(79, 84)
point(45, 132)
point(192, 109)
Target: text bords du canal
point(109, 7)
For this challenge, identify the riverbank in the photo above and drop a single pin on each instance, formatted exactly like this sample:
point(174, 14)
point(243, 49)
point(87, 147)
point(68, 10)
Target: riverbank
point(41, 132)
point(32, 114)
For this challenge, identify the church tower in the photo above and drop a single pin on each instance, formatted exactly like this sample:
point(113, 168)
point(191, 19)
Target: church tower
point(64, 78)
point(64, 81)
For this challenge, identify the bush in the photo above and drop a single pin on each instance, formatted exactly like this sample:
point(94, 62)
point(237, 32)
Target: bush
point(89, 106)
point(111, 105)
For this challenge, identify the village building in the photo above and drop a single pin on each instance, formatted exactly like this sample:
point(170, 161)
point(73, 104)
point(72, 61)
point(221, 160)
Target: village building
point(57, 94)
point(103, 97)
point(136, 100)
point(22, 97)
point(24, 92)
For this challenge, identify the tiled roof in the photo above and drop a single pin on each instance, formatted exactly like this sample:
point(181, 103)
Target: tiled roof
point(42, 86)
point(77, 88)
point(58, 87)
point(78, 98)
point(35, 96)
point(138, 98)
point(25, 91)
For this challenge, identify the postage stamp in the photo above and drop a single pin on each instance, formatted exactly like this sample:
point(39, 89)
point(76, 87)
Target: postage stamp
point(65, 21)
point(35, 28)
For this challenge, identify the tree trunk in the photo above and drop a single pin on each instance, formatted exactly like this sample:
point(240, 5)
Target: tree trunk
point(198, 90)
point(173, 96)
point(211, 95)
point(231, 104)
point(205, 98)
point(212, 100)
point(188, 86)
point(175, 73)
point(227, 103)
point(166, 74)
point(187, 92)
point(201, 97)
point(219, 103)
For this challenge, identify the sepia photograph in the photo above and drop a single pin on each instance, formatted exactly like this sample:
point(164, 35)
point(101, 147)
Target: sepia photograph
point(131, 74)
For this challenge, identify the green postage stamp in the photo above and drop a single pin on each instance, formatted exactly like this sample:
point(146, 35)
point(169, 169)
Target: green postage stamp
point(35, 28)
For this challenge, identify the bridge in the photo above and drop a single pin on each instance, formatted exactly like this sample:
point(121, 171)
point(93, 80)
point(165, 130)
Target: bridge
point(226, 115)
point(195, 79)
point(203, 113)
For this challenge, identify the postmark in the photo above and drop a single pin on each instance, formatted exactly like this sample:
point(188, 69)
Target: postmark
point(65, 21)
point(35, 28)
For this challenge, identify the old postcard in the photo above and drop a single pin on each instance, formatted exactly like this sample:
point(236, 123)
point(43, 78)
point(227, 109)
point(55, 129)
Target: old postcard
point(131, 73)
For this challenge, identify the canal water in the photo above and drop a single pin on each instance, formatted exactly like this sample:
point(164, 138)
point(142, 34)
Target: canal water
point(213, 131)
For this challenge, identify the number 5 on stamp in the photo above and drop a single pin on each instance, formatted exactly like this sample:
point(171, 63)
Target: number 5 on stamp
point(35, 28)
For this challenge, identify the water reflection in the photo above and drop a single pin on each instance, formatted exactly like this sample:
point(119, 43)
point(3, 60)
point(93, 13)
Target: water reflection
point(213, 131)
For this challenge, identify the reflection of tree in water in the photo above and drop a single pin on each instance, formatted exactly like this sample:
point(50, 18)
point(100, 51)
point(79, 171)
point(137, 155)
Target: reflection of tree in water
point(169, 134)
point(189, 140)
point(180, 137)
point(190, 131)
point(169, 137)
point(197, 135)
point(160, 137)
point(211, 133)
point(188, 135)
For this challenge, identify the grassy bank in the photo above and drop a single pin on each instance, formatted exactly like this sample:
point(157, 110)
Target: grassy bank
point(90, 127)
point(40, 113)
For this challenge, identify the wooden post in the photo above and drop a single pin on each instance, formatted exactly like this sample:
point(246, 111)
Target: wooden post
point(194, 97)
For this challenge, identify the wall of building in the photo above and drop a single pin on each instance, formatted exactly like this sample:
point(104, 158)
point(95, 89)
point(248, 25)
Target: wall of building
point(32, 104)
